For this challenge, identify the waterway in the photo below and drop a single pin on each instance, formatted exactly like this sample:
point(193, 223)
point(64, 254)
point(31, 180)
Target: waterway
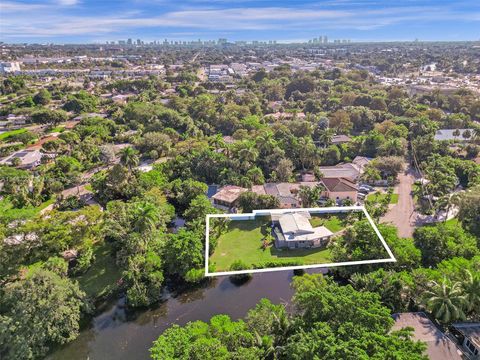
point(118, 334)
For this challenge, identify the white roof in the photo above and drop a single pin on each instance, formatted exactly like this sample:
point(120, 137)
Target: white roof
point(297, 227)
point(27, 157)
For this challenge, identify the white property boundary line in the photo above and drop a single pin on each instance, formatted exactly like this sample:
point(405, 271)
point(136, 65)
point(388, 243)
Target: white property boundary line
point(334, 209)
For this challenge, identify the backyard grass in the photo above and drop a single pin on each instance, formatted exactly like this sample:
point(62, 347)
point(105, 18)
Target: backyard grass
point(7, 134)
point(243, 241)
point(102, 275)
point(380, 196)
point(8, 213)
point(332, 223)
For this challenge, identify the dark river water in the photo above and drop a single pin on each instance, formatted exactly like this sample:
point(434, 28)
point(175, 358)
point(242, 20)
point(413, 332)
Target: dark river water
point(115, 334)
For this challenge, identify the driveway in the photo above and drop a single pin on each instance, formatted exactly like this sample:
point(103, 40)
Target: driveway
point(403, 214)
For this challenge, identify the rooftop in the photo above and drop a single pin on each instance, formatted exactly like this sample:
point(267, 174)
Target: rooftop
point(229, 193)
point(296, 227)
point(340, 139)
point(348, 170)
point(27, 157)
point(339, 184)
point(470, 330)
point(439, 346)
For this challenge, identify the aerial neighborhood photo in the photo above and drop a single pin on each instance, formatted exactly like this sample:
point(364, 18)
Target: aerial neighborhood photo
point(239, 180)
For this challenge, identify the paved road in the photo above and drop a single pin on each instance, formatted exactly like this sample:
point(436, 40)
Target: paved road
point(403, 214)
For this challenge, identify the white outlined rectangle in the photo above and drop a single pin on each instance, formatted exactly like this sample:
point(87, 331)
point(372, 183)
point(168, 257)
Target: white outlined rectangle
point(325, 210)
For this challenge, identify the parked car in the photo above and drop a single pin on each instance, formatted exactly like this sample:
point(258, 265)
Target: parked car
point(363, 190)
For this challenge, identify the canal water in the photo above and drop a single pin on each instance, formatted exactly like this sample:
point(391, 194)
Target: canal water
point(118, 334)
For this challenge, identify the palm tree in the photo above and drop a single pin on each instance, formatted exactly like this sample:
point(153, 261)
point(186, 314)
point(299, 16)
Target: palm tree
point(255, 174)
point(393, 147)
point(265, 142)
point(309, 195)
point(476, 134)
point(216, 141)
point(306, 151)
point(467, 134)
point(129, 157)
point(445, 301)
point(453, 201)
point(146, 218)
point(325, 137)
point(248, 155)
point(456, 133)
point(471, 289)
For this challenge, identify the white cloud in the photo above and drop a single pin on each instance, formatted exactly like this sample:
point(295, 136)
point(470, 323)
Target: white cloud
point(11, 6)
point(67, 2)
point(52, 21)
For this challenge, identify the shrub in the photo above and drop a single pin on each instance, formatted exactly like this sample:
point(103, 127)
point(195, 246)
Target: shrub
point(239, 278)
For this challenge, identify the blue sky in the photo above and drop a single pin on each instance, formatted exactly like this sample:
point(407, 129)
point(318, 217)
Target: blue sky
point(76, 21)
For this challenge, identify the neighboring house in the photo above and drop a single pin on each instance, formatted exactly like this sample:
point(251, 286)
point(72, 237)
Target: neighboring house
point(468, 335)
point(286, 193)
point(227, 196)
point(360, 162)
point(340, 139)
point(439, 346)
point(339, 189)
point(17, 119)
point(350, 171)
point(308, 177)
point(9, 67)
point(294, 230)
point(87, 116)
point(121, 99)
point(28, 159)
point(286, 115)
point(447, 134)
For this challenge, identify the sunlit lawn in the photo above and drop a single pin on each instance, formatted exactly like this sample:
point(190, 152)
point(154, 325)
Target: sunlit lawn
point(243, 241)
point(56, 129)
point(7, 134)
point(9, 213)
point(332, 223)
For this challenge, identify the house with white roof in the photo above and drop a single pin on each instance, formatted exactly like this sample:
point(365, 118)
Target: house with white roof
point(28, 159)
point(294, 230)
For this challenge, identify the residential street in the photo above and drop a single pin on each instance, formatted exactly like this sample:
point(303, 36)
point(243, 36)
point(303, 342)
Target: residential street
point(403, 214)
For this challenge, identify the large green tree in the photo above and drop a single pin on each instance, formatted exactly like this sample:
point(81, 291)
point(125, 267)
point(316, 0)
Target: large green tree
point(441, 241)
point(37, 313)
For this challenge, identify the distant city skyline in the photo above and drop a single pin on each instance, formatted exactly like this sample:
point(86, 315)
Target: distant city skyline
point(89, 21)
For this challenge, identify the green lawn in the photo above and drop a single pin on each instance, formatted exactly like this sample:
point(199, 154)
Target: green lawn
point(102, 275)
point(7, 134)
point(243, 241)
point(453, 223)
point(57, 129)
point(8, 213)
point(332, 223)
point(380, 196)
